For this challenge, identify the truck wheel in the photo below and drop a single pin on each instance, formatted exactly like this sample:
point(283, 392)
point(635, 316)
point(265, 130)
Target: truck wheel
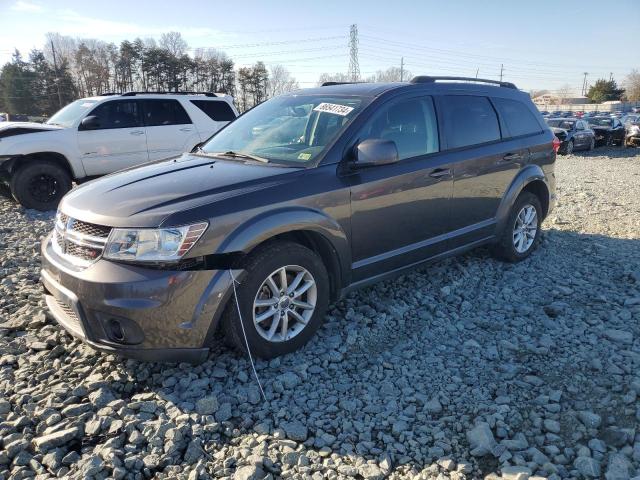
point(283, 298)
point(40, 185)
point(522, 232)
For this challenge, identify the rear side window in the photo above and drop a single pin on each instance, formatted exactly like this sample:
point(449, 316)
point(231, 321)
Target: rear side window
point(469, 120)
point(216, 110)
point(158, 112)
point(117, 114)
point(517, 117)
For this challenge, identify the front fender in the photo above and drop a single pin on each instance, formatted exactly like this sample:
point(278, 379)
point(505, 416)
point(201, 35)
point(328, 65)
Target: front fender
point(530, 173)
point(269, 224)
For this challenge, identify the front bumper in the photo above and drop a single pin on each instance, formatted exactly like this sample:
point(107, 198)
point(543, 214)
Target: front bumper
point(136, 312)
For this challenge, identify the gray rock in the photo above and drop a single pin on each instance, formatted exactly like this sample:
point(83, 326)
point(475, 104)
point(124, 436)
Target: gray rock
point(481, 440)
point(620, 336)
point(207, 405)
point(587, 467)
point(249, 472)
point(617, 467)
point(589, 419)
point(56, 439)
point(295, 431)
point(224, 412)
point(515, 473)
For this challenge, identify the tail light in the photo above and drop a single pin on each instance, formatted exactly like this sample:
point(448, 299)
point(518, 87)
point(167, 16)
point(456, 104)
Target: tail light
point(556, 144)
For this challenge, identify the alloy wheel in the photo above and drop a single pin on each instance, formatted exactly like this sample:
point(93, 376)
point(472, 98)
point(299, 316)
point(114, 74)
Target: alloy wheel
point(285, 303)
point(43, 187)
point(525, 228)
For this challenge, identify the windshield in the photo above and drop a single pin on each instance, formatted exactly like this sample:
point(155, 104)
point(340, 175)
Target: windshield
point(68, 115)
point(602, 122)
point(567, 125)
point(289, 129)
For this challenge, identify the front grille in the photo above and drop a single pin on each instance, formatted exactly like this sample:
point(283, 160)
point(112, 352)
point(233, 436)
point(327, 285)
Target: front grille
point(79, 242)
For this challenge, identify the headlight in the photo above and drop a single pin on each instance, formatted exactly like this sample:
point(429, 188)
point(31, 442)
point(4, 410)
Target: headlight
point(152, 245)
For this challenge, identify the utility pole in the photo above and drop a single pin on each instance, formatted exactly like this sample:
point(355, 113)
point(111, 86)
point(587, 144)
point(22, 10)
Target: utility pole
point(584, 84)
point(477, 71)
point(611, 76)
point(56, 79)
point(354, 65)
point(501, 70)
point(401, 69)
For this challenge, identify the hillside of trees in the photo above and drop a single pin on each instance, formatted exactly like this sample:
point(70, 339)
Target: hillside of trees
point(66, 69)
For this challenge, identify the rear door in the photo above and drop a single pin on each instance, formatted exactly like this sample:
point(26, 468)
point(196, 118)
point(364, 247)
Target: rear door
point(118, 142)
point(170, 131)
point(483, 165)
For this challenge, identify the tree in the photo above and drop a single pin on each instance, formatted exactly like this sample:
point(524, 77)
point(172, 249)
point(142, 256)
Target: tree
point(632, 86)
point(392, 74)
point(18, 85)
point(563, 93)
point(604, 91)
point(280, 81)
point(174, 43)
point(333, 77)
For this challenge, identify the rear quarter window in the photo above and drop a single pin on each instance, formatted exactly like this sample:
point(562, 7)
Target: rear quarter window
point(517, 117)
point(216, 110)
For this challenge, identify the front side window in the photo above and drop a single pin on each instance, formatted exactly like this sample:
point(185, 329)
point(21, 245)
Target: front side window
point(411, 124)
point(469, 120)
point(162, 112)
point(517, 117)
point(67, 116)
point(116, 114)
point(291, 129)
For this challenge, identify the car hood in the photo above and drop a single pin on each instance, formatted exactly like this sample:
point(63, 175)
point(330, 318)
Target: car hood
point(558, 130)
point(9, 129)
point(147, 195)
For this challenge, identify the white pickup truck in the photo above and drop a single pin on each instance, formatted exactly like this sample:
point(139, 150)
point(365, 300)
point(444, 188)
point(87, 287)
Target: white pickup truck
point(100, 135)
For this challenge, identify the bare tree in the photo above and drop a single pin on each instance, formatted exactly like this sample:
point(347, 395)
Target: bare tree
point(632, 86)
point(392, 74)
point(173, 43)
point(333, 77)
point(280, 81)
point(563, 93)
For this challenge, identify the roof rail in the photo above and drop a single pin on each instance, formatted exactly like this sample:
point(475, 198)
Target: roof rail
point(429, 79)
point(328, 84)
point(133, 94)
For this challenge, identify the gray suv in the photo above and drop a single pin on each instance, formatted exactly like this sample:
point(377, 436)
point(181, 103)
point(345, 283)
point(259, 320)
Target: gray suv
point(297, 202)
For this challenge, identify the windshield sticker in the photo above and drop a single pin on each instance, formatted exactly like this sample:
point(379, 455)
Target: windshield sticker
point(334, 108)
point(304, 156)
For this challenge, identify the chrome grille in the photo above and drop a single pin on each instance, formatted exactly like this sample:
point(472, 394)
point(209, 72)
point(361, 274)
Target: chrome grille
point(79, 242)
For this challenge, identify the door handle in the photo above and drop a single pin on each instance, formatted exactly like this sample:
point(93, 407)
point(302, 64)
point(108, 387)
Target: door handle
point(136, 132)
point(186, 130)
point(440, 172)
point(511, 156)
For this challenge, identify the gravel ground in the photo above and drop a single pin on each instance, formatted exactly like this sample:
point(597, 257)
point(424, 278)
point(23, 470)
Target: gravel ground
point(469, 368)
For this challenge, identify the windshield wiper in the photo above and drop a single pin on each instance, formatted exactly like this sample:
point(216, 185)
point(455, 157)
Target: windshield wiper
point(233, 154)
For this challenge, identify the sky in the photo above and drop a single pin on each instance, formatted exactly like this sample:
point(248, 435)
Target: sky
point(541, 44)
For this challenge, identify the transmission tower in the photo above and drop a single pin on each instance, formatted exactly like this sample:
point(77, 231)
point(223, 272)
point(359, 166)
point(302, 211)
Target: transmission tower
point(354, 66)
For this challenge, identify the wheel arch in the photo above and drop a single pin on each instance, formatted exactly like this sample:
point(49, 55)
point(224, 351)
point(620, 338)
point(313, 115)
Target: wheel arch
point(310, 228)
point(531, 179)
point(46, 156)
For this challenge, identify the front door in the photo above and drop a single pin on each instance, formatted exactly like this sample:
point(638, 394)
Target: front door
point(170, 131)
point(399, 212)
point(117, 140)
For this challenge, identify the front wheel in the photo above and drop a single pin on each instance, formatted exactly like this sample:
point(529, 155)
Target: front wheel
point(522, 232)
point(592, 143)
point(569, 148)
point(40, 185)
point(282, 299)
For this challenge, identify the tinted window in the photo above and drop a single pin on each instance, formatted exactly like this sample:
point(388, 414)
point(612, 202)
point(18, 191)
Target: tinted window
point(470, 120)
point(411, 124)
point(164, 112)
point(117, 114)
point(517, 117)
point(216, 110)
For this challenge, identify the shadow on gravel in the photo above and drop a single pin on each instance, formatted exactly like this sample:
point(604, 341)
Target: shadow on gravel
point(611, 152)
point(401, 372)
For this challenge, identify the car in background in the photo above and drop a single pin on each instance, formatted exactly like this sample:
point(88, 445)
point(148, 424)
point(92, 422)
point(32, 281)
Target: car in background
point(13, 117)
point(99, 135)
point(608, 130)
point(556, 113)
point(632, 130)
point(573, 133)
point(566, 114)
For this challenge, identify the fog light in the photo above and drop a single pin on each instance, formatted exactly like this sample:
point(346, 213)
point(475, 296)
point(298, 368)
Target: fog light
point(115, 330)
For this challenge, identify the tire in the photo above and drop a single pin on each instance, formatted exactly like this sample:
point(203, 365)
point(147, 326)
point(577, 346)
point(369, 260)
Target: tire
point(264, 263)
point(569, 148)
point(592, 145)
point(506, 248)
point(40, 185)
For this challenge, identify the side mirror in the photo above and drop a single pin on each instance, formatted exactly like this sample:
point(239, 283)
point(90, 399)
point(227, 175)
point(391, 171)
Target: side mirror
point(376, 151)
point(89, 123)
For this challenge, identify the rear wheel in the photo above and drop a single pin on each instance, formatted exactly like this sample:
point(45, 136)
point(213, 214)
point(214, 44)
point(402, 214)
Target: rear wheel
point(522, 232)
point(592, 143)
point(282, 298)
point(569, 149)
point(40, 185)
